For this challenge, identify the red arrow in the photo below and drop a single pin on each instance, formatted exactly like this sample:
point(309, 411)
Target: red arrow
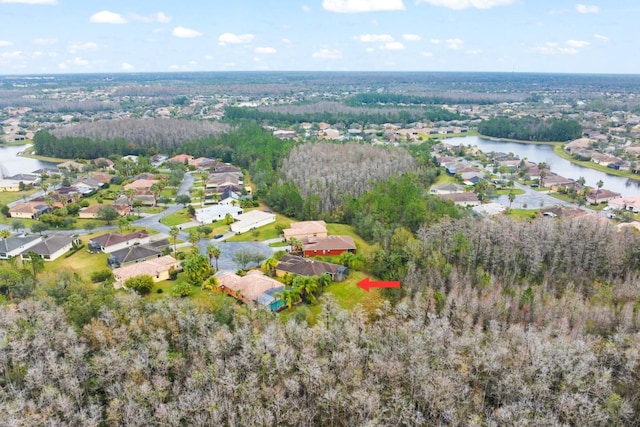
point(367, 284)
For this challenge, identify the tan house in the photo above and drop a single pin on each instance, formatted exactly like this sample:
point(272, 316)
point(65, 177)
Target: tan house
point(9, 185)
point(158, 268)
point(93, 212)
point(141, 184)
point(28, 210)
point(305, 229)
point(249, 287)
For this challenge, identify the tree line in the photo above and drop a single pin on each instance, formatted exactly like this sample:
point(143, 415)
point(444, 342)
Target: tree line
point(531, 128)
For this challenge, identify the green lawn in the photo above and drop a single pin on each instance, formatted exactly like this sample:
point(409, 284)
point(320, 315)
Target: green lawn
point(179, 217)
point(506, 191)
point(12, 196)
point(523, 213)
point(82, 262)
point(348, 230)
point(347, 294)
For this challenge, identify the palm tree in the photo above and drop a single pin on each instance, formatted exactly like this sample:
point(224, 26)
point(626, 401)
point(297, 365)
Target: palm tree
point(155, 190)
point(289, 296)
point(307, 286)
point(214, 252)
point(269, 266)
point(512, 197)
point(296, 246)
point(173, 231)
point(599, 184)
point(323, 280)
point(4, 233)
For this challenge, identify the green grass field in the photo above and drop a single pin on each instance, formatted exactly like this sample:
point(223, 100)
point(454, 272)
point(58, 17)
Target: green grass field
point(263, 233)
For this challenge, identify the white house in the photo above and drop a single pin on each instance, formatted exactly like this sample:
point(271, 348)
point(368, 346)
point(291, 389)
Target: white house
point(251, 220)
point(112, 242)
point(14, 245)
point(217, 212)
point(52, 247)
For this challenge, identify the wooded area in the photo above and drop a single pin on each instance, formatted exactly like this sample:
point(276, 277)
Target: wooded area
point(531, 128)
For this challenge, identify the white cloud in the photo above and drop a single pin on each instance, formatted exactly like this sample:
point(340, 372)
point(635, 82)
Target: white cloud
point(435, 41)
point(601, 37)
point(45, 42)
point(185, 33)
point(306, 8)
point(454, 43)
point(11, 55)
point(106, 17)
point(81, 47)
point(80, 62)
point(231, 38)
point(558, 11)
point(378, 38)
point(265, 50)
point(577, 43)
point(426, 54)
point(5, 43)
point(412, 37)
point(51, 2)
point(125, 66)
point(327, 54)
point(585, 8)
point(473, 51)
point(356, 6)
point(285, 41)
point(464, 4)
point(392, 46)
point(159, 17)
point(553, 48)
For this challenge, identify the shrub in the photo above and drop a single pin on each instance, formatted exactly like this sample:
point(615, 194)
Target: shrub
point(182, 289)
point(141, 284)
point(102, 276)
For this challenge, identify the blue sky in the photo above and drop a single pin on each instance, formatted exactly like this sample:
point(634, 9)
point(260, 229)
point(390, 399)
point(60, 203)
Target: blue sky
point(80, 36)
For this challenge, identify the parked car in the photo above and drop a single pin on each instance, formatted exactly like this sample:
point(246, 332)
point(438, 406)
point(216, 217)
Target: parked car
point(217, 236)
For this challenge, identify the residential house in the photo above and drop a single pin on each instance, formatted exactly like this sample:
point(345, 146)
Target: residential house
point(132, 254)
point(447, 189)
point(180, 158)
point(578, 144)
point(29, 210)
point(26, 178)
point(305, 229)
point(93, 212)
point(251, 220)
point(158, 268)
point(210, 214)
point(555, 182)
point(13, 246)
point(203, 162)
point(327, 246)
point(628, 203)
point(141, 184)
point(52, 247)
point(601, 195)
point(251, 288)
point(462, 199)
point(70, 165)
point(10, 185)
point(300, 266)
point(112, 242)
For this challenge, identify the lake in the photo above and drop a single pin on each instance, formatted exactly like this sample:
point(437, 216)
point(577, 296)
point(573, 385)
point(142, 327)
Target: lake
point(544, 153)
point(12, 164)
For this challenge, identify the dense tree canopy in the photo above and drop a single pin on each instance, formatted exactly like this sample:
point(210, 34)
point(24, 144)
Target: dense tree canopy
point(531, 128)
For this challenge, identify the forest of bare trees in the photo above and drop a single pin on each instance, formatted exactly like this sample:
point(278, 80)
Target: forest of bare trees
point(336, 172)
point(172, 364)
point(160, 133)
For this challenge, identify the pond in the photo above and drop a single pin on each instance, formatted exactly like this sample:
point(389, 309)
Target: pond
point(544, 153)
point(11, 163)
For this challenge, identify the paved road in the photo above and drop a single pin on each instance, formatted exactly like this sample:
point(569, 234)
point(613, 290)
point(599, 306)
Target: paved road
point(532, 199)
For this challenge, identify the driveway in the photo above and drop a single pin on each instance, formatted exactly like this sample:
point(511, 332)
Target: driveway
point(532, 199)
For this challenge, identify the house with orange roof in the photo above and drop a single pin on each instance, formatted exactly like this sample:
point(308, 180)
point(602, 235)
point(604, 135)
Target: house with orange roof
point(158, 268)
